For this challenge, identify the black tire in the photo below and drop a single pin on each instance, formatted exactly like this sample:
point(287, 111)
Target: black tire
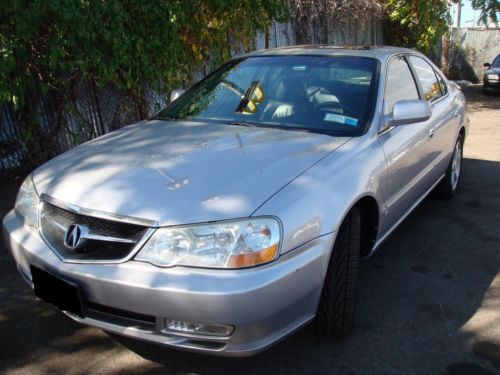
point(448, 186)
point(335, 314)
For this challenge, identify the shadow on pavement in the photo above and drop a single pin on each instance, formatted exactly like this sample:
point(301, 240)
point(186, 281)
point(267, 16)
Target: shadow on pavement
point(428, 280)
point(478, 101)
point(420, 304)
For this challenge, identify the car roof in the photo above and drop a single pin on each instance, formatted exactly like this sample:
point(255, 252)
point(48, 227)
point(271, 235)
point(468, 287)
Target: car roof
point(379, 52)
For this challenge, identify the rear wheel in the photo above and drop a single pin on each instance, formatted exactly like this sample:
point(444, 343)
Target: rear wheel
point(448, 186)
point(335, 313)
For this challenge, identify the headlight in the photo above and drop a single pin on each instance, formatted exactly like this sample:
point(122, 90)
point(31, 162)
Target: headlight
point(230, 244)
point(27, 202)
point(492, 77)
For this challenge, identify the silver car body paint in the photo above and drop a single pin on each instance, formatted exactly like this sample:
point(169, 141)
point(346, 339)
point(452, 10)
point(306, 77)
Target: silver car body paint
point(177, 173)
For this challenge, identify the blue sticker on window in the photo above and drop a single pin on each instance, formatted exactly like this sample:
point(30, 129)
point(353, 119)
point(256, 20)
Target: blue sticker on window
point(341, 119)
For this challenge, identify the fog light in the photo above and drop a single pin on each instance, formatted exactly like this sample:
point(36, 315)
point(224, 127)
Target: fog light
point(198, 328)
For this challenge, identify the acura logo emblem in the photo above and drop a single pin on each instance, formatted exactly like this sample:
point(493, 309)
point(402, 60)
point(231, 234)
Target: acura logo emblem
point(75, 236)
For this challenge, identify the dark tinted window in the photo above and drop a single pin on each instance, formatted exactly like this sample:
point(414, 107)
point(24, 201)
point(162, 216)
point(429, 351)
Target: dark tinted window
point(442, 84)
point(496, 62)
point(428, 81)
point(316, 93)
point(399, 84)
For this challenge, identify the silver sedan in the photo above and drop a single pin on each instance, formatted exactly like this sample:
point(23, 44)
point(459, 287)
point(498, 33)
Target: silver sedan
point(239, 213)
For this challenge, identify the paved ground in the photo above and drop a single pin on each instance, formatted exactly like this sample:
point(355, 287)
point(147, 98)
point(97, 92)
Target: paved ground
point(429, 301)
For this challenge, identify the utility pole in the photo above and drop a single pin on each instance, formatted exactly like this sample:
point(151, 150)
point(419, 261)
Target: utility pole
point(459, 12)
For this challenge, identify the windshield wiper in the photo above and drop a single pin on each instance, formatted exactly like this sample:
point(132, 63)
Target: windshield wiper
point(331, 133)
point(163, 118)
point(241, 123)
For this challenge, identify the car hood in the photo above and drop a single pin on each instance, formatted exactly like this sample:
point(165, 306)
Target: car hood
point(493, 69)
point(182, 172)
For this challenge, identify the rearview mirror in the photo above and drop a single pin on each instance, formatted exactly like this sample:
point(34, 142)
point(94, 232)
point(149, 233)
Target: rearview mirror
point(487, 65)
point(410, 111)
point(176, 93)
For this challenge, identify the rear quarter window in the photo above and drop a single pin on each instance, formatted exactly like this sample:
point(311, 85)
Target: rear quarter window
point(432, 87)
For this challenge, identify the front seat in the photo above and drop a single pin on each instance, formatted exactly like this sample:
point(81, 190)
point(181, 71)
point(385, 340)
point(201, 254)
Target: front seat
point(290, 99)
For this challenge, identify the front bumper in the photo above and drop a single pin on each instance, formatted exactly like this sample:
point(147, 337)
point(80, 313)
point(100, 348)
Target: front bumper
point(264, 304)
point(491, 85)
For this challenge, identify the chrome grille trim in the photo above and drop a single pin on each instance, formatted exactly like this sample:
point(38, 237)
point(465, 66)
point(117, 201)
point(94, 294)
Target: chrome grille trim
point(149, 228)
point(98, 237)
point(134, 251)
point(93, 236)
point(98, 214)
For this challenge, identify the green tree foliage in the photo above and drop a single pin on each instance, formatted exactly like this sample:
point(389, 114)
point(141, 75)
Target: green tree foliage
point(48, 47)
point(416, 23)
point(490, 10)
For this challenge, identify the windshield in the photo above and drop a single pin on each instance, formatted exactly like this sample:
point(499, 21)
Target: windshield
point(496, 62)
point(315, 93)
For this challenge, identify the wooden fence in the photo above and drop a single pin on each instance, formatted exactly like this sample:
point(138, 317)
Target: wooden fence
point(97, 111)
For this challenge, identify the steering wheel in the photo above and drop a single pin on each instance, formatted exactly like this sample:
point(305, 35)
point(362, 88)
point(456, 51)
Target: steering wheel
point(314, 90)
point(345, 109)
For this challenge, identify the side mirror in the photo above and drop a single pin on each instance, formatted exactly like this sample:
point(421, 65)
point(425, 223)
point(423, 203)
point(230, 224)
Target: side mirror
point(410, 111)
point(487, 65)
point(176, 93)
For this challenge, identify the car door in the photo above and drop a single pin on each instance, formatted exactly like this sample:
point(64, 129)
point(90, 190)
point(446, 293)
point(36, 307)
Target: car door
point(406, 147)
point(445, 113)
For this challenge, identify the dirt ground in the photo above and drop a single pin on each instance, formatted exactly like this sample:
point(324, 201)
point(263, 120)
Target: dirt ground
point(429, 300)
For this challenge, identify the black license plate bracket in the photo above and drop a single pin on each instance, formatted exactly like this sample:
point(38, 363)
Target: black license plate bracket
point(60, 293)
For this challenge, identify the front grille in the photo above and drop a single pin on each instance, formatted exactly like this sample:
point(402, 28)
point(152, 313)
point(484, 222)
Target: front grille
point(108, 240)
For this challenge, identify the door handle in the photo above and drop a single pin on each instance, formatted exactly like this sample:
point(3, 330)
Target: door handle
point(431, 133)
point(456, 113)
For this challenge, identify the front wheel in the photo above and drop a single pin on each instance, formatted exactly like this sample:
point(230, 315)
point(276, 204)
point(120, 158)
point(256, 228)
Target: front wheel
point(335, 313)
point(448, 186)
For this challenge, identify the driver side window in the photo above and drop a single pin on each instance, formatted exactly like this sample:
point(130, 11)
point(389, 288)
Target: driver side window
point(399, 84)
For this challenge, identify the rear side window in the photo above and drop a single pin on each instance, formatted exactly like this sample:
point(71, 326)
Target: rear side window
point(399, 84)
point(431, 87)
point(442, 84)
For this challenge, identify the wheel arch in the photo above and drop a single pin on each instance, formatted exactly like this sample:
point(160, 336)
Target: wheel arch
point(462, 132)
point(370, 216)
point(370, 219)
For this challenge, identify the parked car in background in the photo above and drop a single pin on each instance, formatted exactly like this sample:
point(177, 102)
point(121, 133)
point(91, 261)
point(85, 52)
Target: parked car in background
point(491, 77)
point(240, 212)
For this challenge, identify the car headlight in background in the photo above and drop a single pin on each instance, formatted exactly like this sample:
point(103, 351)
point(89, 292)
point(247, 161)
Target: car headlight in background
point(228, 244)
point(27, 202)
point(492, 77)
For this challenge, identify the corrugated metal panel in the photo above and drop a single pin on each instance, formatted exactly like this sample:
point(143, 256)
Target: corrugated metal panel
point(469, 49)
